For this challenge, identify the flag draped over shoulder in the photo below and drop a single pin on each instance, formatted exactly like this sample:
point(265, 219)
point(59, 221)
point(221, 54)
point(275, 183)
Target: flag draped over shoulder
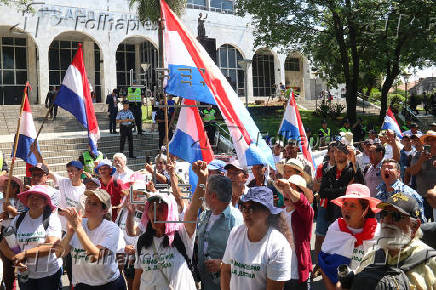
point(194, 75)
point(27, 133)
point(74, 96)
point(391, 123)
point(292, 128)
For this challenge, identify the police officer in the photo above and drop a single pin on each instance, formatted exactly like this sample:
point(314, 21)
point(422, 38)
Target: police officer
point(134, 98)
point(112, 102)
point(209, 119)
point(89, 160)
point(324, 133)
point(125, 119)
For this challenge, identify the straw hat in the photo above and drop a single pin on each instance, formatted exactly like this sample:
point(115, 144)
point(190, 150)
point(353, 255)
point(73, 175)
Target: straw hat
point(297, 165)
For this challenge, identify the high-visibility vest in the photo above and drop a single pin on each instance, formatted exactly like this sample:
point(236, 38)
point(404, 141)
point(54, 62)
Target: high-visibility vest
point(345, 130)
point(1, 161)
point(209, 115)
point(134, 94)
point(88, 165)
point(326, 134)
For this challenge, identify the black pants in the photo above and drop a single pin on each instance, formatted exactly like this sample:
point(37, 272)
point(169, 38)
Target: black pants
point(113, 122)
point(126, 131)
point(53, 111)
point(136, 110)
point(50, 282)
point(210, 131)
point(118, 284)
point(296, 285)
point(161, 129)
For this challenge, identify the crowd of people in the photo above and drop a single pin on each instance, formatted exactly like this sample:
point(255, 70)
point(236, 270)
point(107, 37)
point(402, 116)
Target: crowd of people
point(108, 227)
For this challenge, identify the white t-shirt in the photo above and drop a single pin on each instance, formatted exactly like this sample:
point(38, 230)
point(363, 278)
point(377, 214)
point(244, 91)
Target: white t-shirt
point(121, 223)
point(253, 262)
point(69, 195)
point(100, 272)
point(31, 234)
point(54, 194)
point(172, 263)
point(358, 252)
point(124, 177)
point(294, 261)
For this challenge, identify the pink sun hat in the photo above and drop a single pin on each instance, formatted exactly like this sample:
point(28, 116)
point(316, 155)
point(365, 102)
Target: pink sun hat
point(4, 181)
point(358, 191)
point(40, 190)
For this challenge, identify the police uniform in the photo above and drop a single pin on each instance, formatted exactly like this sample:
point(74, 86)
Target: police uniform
point(126, 129)
point(209, 119)
point(134, 98)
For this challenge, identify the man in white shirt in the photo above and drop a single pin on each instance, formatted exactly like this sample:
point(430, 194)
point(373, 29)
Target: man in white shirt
point(123, 172)
point(71, 191)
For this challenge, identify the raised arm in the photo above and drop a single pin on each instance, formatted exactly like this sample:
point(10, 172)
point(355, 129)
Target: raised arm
point(199, 168)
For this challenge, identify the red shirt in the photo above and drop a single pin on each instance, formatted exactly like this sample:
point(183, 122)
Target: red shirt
point(115, 191)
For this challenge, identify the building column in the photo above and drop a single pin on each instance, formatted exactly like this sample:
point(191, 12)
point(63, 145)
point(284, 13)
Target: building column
point(249, 84)
point(43, 71)
point(88, 58)
point(279, 68)
point(110, 68)
point(32, 68)
point(307, 80)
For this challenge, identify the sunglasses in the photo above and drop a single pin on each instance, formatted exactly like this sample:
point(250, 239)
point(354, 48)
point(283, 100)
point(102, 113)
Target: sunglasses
point(249, 209)
point(396, 216)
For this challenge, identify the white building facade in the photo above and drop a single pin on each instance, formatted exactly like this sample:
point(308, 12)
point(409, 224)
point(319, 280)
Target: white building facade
point(38, 47)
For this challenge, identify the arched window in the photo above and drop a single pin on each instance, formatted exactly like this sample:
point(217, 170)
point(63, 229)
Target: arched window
point(263, 74)
point(228, 57)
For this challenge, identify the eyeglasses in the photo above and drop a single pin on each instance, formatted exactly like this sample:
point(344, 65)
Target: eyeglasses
point(396, 216)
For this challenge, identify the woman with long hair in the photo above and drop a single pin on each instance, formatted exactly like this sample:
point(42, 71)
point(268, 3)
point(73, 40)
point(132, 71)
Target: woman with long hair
point(352, 235)
point(31, 245)
point(258, 253)
point(165, 248)
point(93, 242)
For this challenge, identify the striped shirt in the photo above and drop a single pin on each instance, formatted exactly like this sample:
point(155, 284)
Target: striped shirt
point(124, 115)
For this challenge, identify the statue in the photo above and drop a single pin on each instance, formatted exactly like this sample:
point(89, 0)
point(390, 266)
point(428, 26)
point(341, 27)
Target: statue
point(201, 32)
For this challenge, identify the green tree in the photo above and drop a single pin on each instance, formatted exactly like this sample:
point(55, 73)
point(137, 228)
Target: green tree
point(350, 41)
point(149, 10)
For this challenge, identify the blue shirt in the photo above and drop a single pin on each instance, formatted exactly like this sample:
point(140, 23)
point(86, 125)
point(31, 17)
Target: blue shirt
point(400, 187)
point(124, 115)
point(216, 239)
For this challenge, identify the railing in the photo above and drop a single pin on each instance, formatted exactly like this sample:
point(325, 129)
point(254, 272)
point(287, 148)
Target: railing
point(222, 9)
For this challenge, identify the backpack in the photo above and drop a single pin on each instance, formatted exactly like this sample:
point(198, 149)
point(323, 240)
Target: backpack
point(382, 276)
point(45, 219)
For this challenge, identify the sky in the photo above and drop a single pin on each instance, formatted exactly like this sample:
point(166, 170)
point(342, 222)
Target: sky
point(423, 73)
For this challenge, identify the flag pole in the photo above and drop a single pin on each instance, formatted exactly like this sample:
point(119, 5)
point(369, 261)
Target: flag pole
point(161, 48)
point(17, 135)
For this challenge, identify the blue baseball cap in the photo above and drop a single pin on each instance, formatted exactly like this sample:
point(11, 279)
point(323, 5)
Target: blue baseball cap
point(76, 164)
point(105, 162)
point(262, 195)
point(217, 165)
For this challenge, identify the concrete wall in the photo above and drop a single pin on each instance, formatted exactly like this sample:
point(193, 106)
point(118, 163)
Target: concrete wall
point(109, 23)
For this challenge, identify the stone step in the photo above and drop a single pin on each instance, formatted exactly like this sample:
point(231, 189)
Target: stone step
point(20, 168)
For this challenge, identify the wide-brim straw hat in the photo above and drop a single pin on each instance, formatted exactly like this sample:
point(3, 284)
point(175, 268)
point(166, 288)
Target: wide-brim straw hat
point(429, 133)
point(297, 165)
